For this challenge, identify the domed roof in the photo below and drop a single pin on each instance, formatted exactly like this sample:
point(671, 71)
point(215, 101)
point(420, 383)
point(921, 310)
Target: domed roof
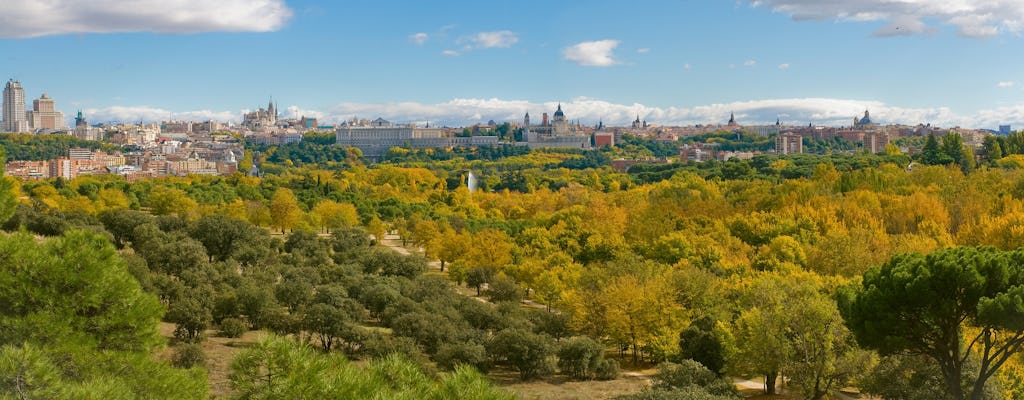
point(558, 112)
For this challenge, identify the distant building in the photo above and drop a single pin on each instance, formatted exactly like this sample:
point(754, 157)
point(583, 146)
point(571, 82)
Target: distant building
point(14, 108)
point(875, 142)
point(604, 138)
point(378, 136)
point(84, 131)
point(864, 122)
point(44, 115)
point(789, 143)
point(556, 133)
point(261, 118)
point(1004, 130)
point(696, 152)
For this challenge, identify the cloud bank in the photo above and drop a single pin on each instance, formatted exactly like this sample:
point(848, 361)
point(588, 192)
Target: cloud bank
point(34, 18)
point(462, 112)
point(971, 18)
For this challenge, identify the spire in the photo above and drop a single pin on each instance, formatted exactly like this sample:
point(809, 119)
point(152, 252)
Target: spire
point(732, 118)
point(777, 122)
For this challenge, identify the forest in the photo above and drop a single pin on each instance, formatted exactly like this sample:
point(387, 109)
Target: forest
point(898, 276)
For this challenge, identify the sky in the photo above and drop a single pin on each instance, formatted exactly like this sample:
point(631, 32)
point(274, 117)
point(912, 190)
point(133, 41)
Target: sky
point(682, 62)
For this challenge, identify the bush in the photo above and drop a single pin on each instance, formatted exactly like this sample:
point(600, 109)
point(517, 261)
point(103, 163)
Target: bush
point(689, 373)
point(502, 289)
point(188, 355)
point(607, 369)
point(525, 351)
point(579, 357)
point(451, 355)
point(233, 327)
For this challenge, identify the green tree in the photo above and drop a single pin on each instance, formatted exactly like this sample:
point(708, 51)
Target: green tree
point(525, 351)
point(923, 304)
point(700, 342)
point(192, 318)
point(930, 153)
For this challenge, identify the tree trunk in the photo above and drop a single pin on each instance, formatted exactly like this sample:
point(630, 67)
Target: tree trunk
point(769, 382)
point(442, 265)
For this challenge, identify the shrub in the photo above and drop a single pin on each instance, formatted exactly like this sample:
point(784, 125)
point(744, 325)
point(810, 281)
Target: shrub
point(233, 327)
point(188, 355)
point(579, 357)
point(451, 355)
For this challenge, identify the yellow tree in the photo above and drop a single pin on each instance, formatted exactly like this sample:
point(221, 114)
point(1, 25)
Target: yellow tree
point(334, 215)
point(284, 209)
point(111, 199)
point(164, 200)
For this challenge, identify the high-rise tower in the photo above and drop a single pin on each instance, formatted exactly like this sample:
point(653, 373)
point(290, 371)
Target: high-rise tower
point(15, 119)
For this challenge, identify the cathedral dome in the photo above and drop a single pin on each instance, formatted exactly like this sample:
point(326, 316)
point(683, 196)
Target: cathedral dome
point(558, 112)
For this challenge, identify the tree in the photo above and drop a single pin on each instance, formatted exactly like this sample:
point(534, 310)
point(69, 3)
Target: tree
point(478, 276)
point(334, 215)
point(930, 153)
point(192, 318)
point(582, 358)
point(222, 236)
point(701, 343)
point(923, 304)
point(525, 351)
point(164, 200)
point(284, 209)
point(326, 322)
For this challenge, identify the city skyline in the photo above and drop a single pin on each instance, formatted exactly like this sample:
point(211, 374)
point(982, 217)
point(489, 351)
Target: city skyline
point(459, 63)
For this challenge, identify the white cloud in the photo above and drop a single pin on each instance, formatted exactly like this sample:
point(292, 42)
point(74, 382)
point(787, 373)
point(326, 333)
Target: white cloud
point(496, 39)
point(418, 38)
point(154, 114)
point(1006, 84)
point(451, 53)
point(784, 66)
point(972, 18)
point(820, 111)
point(643, 50)
point(686, 66)
point(461, 112)
point(592, 54)
point(33, 18)
point(749, 63)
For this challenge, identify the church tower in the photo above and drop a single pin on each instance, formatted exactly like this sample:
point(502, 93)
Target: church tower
point(526, 127)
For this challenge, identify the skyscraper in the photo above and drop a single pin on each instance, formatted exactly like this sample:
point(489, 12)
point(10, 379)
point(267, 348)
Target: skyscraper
point(44, 115)
point(15, 119)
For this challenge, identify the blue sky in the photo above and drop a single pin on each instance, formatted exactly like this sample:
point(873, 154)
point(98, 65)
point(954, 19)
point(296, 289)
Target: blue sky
point(459, 62)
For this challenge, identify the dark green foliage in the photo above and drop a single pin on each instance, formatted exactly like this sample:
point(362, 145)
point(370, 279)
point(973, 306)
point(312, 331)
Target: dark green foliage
point(919, 304)
point(277, 368)
point(478, 276)
point(687, 393)
point(689, 373)
point(553, 324)
point(188, 355)
point(192, 318)
point(223, 236)
point(524, 351)
point(583, 358)
point(429, 330)
point(387, 262)
point(450, 355)
point(45, 147)
point(504, 289)
point(700, 343)
point(233, 327)
point(327, 323)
